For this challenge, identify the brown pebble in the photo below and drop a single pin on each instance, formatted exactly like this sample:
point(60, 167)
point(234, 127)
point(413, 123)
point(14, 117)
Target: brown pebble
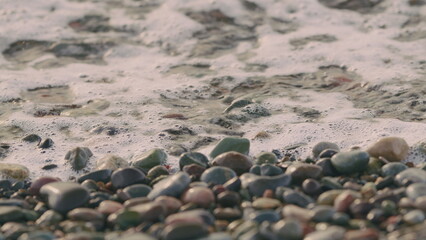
point(363, 234)
point(171, 204)
point(343, 201)
point(108, 207)
point(268, 193)
point(393, 149)
point(201, 196)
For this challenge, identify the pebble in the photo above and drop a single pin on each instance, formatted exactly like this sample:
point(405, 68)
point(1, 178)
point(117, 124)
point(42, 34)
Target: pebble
point(137, 190)
point(321, 146)
point(171, 186)
point(124, 177)
point(291, 196)
point(171, 204)
point(201, 196)
point(331, 233)
point(311, 186)
point(392, 169)
point(265, 157)
point(301, 171)
point(35, 186)
point(257, 185)
point(288, 229)
point(327, 167)
point(112, 162)
point(13, 171)
point(103, 175)
point(414, 217)
point(411, 175)
point(228, 199)
point(64, 196)
point(236, 144)
point(229, 214)
point(194, 170)
point(236, 161)
point(323, 213)
point(11, 214)
point(393, 149)
point(46, 143)
point(108, 207)
point(78, 157)
point(217, 175)
point(157, 171)
point(266, 203)
point(32, 138)
point(343, 201)
point(363, 234)
point(264, 216)
point(267, 169)
point(193, 158)
point(181, 231)
point(150, 159)
point(198, 216)
point(350, 162)
point(151, 211)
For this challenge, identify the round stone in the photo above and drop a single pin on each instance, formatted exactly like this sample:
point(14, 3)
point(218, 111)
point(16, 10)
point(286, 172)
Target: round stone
point(64, 196)
point(393, 149)
point(236, 144)
point(151, 211)
point(193, 158)
point(331, 233)
point(264, 216)
point(11, 214)
point(180, 231)
point(267, 169)
point(236, 161)
point(350, 162)
point(150, 159)
point(171, 186)
point(257, 185)
point(108, 207)
point(85, 214)
point(414, 217)
point(124, 177)
point(266, 157)
point(416, 190)
point(40, 182)
point(323, 213)
point(392, 169)
point(327, 153)
point(14, 171)
point(103, 175)
point(157, 171)
point(171, 204)
point(266, 203)
point(112, 162)
point(411, 175)
point(217, 175)
point(228, 199)
point(229, 214)
point(301, 171)
point(321, 146)
point(311, 186)
point(343, 201)
point(200, 196)
point(137, 190)
point(288, 229)
point(194, 170)
point(327, 167)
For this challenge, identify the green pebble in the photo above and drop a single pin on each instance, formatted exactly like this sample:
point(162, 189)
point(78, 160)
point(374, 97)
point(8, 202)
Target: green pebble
point(150, 159)
point(266, 157)
point(228, 144)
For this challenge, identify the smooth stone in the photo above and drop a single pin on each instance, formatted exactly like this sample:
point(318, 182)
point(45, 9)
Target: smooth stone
point(171, 204)
point(343, 201)
point(85, 235)
point(32, 138)
point(112, 162)
point(85, 214)
point(229, 214)
point(151, 211)
point(393, 149)
point(255, 169)
point(257, 185)
point(414, 217)
point(103, 175)
point(266, 203)
point(327, 167)
point(78, 157)
point(244, 228)
point(294, 212)
point(194, 170)
point(217, 175)
point(37, 235)
point(416, 190)
point(360, 208)
point(241, 145)
point(267, 169)
point(125, 218)
point(193, 158)
point(171, 186)
point(323, 213)
point(15, 202)
point(327, 153)
point(35, 186)
point(341, 219)
point(264, 216)
point(328, 197)
point(135, 201)
point(331, 233)
point(184, 231)
point(64, 196)
point(265, 157)
point(5, 184)
point(420, 203)
point(48, 218)
point(321, 146)
point(11, 214)
point(297, 198)
point(374, 166)
point(46, 143)
point(393, 168)
point(217, 236)
point(13, 171)
point(137, 190)
point(228, 199)
point(236, 161)
point(108, 207)
point(288, 229)
point(350, 162)
point(157, 171)
point(150, 159)
point(301, 171)
point(411, 175)
point(233, 184)
point(134, 236)
point(367, 234)
point(311, 186)
point(124, 177)
point(201, 196)
point(197, 215)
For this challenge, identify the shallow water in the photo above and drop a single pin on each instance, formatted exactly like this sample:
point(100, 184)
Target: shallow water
point(125, 76)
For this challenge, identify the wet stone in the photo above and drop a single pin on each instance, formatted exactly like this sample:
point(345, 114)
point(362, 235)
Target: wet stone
point(37, 235)
point(288, 229)
point(124, 177)
point(78, 157)
point(392, 169)
point(150, 159)
point(201, 196)
point(151, 211)
point(293, 197)
point(241, 145)
point(217, 175)
point(171, 186)
point(301, 171)
point(350, 162)
point(228, 199)
point(393, 149)
point(64, 196)
point(236, 161)
point(257, 185)
point(321, 146)
point(270, 170)
point(157, 171)
point(411, 175)
point(193, 158)
point(171, 204)
point(327, 167)
point(369, 233)
point(103, 175)
point(137, 190)
point(184, 231)
point(198, 215)
point(194, 170)
point(264, 216)
point(108, 207)
point(323, 213)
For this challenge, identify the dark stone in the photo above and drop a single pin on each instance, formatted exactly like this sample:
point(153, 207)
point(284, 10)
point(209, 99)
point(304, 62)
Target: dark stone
point(46, 143)
point(32, 138)
point(124, 177)
point(103, 175)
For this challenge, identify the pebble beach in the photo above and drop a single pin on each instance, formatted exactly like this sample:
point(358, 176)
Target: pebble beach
point(213, 120)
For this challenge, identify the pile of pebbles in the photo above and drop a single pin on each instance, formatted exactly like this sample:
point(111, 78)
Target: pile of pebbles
point(355, 194)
